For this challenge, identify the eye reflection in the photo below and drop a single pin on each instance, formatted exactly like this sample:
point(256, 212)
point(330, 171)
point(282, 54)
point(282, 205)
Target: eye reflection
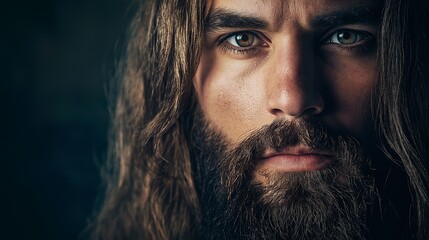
point(347, 37)
point(244, 39)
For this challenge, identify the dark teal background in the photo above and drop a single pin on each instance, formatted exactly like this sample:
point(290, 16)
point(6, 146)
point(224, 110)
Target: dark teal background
point(57, 57)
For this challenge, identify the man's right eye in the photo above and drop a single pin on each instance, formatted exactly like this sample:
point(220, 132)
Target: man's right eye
point(243, 39)
point(245, 43)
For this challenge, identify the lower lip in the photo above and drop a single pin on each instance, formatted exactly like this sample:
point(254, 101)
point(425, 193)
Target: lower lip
point(296, 163)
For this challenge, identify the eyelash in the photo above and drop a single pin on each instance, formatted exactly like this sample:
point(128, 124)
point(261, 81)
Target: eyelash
point(364, 37)
point(228, 47)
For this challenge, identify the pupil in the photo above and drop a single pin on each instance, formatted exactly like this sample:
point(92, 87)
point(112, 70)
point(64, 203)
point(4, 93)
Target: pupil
point(244, 40)
point(345, 35)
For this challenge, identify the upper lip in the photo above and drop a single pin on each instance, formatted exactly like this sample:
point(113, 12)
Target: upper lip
point(297, 150)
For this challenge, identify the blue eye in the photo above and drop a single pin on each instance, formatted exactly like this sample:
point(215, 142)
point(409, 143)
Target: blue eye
point(243, 39)
point(347, 37)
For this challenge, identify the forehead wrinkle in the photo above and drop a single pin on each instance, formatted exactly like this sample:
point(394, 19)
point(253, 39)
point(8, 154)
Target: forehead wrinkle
point(280, 13)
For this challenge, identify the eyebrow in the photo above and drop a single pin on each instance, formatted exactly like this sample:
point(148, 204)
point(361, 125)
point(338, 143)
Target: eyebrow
point(222, 18)
point(347, 16)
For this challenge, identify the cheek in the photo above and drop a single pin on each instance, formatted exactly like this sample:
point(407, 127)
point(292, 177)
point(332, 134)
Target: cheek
point(352, 85)
point(228, 93)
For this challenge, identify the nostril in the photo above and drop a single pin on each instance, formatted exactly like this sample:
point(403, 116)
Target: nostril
point(313, 108)
point(312, 111)
point(298, 107)
point(294, 99)
point(277, 112)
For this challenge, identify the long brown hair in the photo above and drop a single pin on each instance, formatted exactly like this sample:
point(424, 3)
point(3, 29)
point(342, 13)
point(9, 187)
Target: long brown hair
point(402, 102)
point(151, 192)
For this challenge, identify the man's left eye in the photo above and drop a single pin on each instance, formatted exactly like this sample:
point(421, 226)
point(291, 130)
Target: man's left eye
point(347, 37)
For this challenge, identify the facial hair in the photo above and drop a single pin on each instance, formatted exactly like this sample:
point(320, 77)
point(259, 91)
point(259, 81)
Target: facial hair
point(324, 204)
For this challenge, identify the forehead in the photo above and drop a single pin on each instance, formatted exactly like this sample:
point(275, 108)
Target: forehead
point(278, 12)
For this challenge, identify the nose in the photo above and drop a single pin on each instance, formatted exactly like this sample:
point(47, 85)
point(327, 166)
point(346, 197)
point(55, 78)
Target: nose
point(293, 89)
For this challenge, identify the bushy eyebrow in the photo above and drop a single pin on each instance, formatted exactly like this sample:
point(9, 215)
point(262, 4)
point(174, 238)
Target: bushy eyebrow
point(221, 18)
point(354, 15)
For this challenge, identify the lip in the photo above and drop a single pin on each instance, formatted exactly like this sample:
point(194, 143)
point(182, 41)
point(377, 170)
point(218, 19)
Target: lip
point(295, 159)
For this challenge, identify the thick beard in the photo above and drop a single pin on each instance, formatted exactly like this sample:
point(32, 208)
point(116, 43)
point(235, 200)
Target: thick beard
point(324, 204)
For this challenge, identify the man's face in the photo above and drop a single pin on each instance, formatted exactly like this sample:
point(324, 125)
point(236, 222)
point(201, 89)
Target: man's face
point(294, 63)
point(263, 60)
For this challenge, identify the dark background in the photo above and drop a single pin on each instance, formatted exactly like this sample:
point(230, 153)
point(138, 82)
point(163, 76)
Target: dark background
point(57, 57)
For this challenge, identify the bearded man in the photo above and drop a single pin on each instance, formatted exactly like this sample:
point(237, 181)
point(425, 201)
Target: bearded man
point(275, 119)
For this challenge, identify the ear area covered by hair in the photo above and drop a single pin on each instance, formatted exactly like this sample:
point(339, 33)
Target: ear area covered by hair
point(153, 196)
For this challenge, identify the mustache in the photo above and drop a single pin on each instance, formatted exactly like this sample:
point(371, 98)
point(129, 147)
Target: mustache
point(283, 133)
point(279, 135)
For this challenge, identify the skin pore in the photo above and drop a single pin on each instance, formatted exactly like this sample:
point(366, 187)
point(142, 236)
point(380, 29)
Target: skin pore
point(267, 60)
